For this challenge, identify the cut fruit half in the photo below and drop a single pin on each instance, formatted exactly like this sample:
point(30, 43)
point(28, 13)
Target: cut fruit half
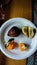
point(28, 31)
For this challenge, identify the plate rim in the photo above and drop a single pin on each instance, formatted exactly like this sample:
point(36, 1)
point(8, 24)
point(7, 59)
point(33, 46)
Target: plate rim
point(6, 23)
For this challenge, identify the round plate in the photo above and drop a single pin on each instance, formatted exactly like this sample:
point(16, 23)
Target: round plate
point(16, 53)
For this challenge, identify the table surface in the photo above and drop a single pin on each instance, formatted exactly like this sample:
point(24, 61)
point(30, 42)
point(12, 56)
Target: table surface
point(17, 8)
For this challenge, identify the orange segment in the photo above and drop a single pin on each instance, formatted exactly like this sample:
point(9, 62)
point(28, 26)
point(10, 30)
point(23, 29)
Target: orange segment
point(11, 45)
point(22, 46)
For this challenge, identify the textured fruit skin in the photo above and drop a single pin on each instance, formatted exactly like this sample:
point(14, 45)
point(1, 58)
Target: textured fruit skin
point(14, 31)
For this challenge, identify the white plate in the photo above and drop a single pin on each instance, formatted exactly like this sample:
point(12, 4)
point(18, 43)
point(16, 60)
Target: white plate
point(16, 53)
